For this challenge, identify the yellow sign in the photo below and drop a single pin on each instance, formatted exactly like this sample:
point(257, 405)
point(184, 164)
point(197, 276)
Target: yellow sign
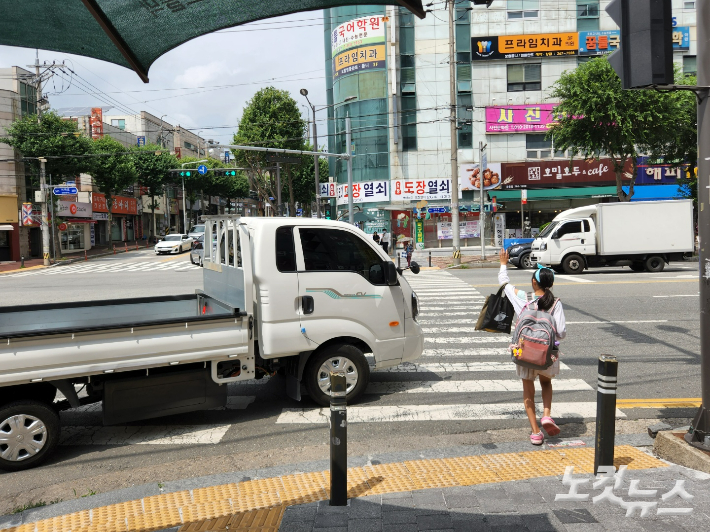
point(544, 42)
point(361, 59)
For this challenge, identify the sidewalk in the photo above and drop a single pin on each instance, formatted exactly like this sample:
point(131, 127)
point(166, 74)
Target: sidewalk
point(98, 251)
point(505, 486)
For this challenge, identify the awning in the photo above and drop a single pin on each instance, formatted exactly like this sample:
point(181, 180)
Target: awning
point(555, 193)
point(135, 34)
point(655, 192)
point(81, 221)
point(6, 228)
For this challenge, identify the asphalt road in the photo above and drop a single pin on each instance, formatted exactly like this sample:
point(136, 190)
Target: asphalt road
point(462, 392)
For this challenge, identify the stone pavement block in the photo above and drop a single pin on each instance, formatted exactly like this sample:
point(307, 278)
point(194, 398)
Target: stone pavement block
point(360, 509)
point(665, 525)
point(331, 520)
point(396, 505)
point(398, 518)
point(434, 522)
point(365, 525)
point(398, 495)
point(495, 506)
point(324, 507)
point(470, 522)
point(297, 526)
point(585, 527)
point(330, 529)
point(542, 523)
point(300, 513)
point(461, 501)
point(491, 492)
point(400, 528)
point(575, 516)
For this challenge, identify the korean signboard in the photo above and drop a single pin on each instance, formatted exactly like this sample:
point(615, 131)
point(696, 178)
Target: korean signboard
point(73, 209)
point(328, 190)
point(533, 118)
point(521, 46)
point(97, 123)
point(358, 32)
point(421, 189)
point(650, 172)
point(419, 234)
point(121, 204)
point(598, 42)
point(356, 60)
point(365, 192)
point(470, 176)
point(466, 230)
point(681, 38)
point(561, 173)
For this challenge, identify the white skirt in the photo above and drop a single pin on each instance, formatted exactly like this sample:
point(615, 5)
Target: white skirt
point(530, 374)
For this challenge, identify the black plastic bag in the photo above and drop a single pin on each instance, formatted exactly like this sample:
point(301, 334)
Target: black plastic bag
point(497, 313)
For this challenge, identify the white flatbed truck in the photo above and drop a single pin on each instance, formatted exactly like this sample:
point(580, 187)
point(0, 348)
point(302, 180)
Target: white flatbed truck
point(290, 295)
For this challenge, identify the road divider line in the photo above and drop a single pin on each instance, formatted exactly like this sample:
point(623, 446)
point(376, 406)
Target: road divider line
point(457, 412)
point(681, 295)
point(468, 340)
point(480, 351)
point(659, 403)
point(142, 435)
point(613, 322)
point(574, 279)
point(448, 367)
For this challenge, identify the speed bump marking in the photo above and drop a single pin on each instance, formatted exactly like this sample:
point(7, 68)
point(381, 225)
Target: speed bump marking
point(259, 505)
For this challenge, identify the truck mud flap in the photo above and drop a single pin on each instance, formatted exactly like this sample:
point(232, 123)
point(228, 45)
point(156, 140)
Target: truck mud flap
point(145, 397)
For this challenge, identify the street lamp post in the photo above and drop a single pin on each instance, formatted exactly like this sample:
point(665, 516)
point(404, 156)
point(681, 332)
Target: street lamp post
point(304, 93)
point(184, 210)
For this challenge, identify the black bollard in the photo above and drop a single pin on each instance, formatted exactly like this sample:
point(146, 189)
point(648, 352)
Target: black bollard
point(430, 259)
point(338, 440)
point(22, 261)
point(606, 412)
point(399, 258)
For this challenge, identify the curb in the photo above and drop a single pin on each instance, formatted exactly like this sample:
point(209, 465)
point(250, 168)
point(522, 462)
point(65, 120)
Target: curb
point(258, 504)
point(671, 446)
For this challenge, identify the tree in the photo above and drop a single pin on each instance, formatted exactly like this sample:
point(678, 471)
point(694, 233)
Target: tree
point(304, 177)
point(112, 170)
point(153, 167)
point(597, 118)
point(270, 119)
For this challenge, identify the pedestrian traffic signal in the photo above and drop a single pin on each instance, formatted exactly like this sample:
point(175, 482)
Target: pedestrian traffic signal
point(645, 54)
point(327, 212)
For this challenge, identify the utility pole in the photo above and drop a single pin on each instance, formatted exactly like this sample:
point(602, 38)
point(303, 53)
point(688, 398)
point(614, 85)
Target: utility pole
point(456, 243)
point(45, 218)
point(348, 142)
point(483, 157)
point(304, 93)
point(699, 433)
point(279, 209)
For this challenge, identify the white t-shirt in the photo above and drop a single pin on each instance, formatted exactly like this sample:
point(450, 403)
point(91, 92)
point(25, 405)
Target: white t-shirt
point(385, 237)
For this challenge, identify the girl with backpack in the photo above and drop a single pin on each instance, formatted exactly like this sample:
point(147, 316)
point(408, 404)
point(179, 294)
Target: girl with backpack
point(541, 299)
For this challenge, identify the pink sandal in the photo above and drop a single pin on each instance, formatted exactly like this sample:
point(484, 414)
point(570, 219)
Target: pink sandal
point(537, 439)
point(550, 427)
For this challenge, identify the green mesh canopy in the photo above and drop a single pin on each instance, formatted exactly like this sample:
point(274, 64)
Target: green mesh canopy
point(134, 33)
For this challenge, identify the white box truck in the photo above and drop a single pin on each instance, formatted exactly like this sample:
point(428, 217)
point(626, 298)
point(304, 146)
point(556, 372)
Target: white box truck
point(290, 295)
point(644, 235)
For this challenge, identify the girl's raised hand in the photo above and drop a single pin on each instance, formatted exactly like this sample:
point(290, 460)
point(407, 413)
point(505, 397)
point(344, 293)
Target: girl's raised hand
point(503, 257)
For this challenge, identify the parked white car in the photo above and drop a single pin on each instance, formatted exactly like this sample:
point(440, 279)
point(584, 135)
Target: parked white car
point(175, 243)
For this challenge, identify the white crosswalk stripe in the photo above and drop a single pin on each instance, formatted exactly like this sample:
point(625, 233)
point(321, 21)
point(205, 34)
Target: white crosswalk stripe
point(112, 267)
point(457, 361)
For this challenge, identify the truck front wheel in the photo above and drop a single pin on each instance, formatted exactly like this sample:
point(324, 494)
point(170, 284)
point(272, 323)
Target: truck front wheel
point(347, 358)
point(29, 432)
point(655, 264)
point(573, 264)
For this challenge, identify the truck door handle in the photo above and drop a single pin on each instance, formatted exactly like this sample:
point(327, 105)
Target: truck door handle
point(307, 304)
point(582, 241)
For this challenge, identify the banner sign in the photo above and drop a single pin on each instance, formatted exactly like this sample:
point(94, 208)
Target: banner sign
point(73, 209)
point(421, 189)
point(551, 174)
point(121, 204)
point(466, 230)
point(97, 123)
point(357, 32)
point(681, 38)
point(522, 46)
point(359, 59)
point(470, 176)
point(499, 228)
point(365, 192)
point(651, 172)
point(328, 190)
point(534, 118)
point(419, 234)
point(598, 42)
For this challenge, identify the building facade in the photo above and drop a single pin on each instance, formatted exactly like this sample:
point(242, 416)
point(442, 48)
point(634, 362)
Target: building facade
point(390, 72)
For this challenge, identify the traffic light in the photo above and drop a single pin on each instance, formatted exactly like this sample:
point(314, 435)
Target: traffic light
point(645, 53)
point(326, 212)
point(224, 172)
point(180, 174)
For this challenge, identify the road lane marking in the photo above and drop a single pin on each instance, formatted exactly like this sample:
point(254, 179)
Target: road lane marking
point(659, 403)
point(441, 368)
point(427, 310)
point(460, 412)
point(604, 283)
point(613, 322)
point(575, 279)
point(423, 312)
point(480, 351)
point(151, 435)
point(468, 340)
point(468, 386)
point(682, 295)
point(444, 321)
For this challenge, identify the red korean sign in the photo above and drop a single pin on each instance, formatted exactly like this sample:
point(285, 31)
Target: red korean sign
point(560, 173)
point(97, 123)
point(121, 204)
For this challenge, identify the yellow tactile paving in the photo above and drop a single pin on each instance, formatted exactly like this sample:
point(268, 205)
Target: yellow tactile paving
point(258, 505)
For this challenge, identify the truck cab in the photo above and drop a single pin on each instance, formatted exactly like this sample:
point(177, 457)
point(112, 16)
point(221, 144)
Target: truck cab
point(567, 240)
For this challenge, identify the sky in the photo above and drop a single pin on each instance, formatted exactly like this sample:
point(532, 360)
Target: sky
point(204, 84)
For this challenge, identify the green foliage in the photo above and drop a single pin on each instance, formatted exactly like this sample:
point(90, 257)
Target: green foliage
point(597, 118)
point(51, 137)
point(112, 168)
point(30, 505)
point(153, 167)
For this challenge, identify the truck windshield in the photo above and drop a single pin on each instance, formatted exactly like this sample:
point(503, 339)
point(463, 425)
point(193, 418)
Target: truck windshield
point(548, 230)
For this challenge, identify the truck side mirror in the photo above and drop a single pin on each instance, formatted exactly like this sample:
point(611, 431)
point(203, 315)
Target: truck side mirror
point(390, 273)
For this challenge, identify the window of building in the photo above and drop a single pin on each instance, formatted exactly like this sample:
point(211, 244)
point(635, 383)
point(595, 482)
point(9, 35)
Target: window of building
point(340, 251)
point(72, 238)
point(526, 77)
point(120, 123)
point(28, 99)
point(464, 114)
point(285, 250)
point(409, 122)
point(518, 9)
point(190, 146)
point(688, 5)
point(537, 146)
point(690, 65)
point(587, 15)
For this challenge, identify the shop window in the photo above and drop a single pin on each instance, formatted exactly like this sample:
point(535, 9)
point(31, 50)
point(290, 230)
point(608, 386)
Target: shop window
point(120, 123)
point(690, 65)
point(72, 238)
point(518, 9)
point(28, 99)
point(538, 147)
point(524, 77)
point(190, 146)
point(409, 122)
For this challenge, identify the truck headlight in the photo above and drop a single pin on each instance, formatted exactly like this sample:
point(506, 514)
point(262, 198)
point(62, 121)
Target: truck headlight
point(543, 246)
point(515, 249)
point(415, 305)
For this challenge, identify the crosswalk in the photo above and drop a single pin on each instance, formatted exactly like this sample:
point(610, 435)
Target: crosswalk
point(108, 267)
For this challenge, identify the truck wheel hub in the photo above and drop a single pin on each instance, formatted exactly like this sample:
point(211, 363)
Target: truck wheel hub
point(21, 437)
point(337, 364)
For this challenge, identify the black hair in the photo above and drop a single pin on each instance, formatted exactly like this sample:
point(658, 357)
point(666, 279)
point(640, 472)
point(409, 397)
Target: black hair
point(545, 282)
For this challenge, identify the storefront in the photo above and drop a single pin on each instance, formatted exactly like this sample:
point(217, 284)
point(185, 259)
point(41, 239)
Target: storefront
point(124, 210)
point(74, 221)
point(9, 230)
